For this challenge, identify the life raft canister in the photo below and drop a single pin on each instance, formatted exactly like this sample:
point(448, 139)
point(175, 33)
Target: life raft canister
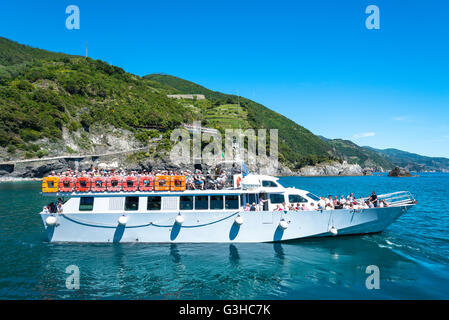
point(98, 184)
point(50, 184)
point(67, 184)
point(162, 183)
point(146, 183)
point(130, 184)
point(83, 184)
point(177, 183)
point(114, 183)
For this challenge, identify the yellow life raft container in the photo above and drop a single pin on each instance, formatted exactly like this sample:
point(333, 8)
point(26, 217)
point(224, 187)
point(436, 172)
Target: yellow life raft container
point(50, 184)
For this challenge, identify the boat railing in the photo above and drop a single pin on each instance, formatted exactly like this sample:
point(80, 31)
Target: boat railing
point(396, 199)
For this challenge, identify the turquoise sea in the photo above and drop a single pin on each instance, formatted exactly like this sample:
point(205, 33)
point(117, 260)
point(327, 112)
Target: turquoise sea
point(412, 255)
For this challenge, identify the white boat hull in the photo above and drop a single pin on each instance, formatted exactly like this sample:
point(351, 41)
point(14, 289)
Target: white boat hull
point(208, 226)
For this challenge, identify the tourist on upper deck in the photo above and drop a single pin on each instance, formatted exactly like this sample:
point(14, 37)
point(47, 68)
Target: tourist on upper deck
point(253, 207)
point(247, 207)
point(45, 210)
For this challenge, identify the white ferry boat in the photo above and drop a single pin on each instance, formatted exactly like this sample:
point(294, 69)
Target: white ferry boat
point(160, 210)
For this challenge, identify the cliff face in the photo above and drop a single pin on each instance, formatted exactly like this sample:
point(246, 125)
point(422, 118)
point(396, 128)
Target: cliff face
point(332, 169)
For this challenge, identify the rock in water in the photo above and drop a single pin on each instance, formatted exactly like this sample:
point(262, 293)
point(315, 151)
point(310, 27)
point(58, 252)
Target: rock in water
point(399, 172)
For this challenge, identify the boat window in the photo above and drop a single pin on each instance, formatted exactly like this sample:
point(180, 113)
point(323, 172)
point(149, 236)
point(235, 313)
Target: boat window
point(269, 184)
point(216, 202)
point(294, 198)
point(154, 203)
point(131, 203)
point(86, 203)
point(186, 203)
point(201, 203)
point(252, 198)
point(232, 202)
point(277, 198)
point(313, 197)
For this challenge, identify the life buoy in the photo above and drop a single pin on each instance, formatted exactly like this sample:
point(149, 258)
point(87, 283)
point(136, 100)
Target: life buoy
point(239, 181)
point(162, 183)
point(67, 184)
point(114, 183)
point(177, 183)
point(50, 184)
point(130, 184)
point(146, 183)
point(83, 184)
point(98, 184)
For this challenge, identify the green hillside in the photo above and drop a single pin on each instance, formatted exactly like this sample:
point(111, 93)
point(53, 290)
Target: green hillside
point(297, 145)
point(353, 153)
point(413, 161)
point(44, 94)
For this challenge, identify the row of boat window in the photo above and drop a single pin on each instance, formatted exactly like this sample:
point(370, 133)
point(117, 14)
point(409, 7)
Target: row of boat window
point(213, 202)
point(154, 203)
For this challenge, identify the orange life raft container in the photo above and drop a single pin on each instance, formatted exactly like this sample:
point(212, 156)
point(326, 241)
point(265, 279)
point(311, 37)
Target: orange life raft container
point(177, 183)
point(162, 183)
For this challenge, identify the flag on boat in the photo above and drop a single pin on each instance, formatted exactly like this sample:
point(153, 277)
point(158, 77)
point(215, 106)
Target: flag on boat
point(245, 170)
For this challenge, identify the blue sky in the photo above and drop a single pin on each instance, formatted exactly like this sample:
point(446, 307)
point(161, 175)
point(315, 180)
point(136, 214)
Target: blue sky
point(312, 61)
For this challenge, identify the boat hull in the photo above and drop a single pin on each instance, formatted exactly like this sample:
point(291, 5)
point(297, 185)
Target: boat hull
point(221, 227)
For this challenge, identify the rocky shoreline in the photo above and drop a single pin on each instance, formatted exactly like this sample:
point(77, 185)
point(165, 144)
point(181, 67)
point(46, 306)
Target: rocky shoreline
point(35, 170)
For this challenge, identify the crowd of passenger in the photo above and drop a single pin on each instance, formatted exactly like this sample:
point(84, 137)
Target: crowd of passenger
point(54, 207)
point(221, 179)
point(330, 203)
point(195, 180)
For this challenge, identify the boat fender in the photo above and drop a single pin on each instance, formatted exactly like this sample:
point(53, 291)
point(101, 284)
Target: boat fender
point(333, 231)
point(238, 220)
point(283, 224)
point(123, 220)
point(179, 219)
point(50, 221)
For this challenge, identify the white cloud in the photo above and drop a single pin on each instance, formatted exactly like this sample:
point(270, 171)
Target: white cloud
point(403, 119)
point(363, 135)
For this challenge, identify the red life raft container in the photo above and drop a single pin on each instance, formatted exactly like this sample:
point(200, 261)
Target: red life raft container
point(146, 183)
point(67, 184)
point(114, 183)
point(83, 184)
point(130, 184)
point(98, 184)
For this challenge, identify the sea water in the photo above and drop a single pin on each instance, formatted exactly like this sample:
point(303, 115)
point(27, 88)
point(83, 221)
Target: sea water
point(411, 255)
